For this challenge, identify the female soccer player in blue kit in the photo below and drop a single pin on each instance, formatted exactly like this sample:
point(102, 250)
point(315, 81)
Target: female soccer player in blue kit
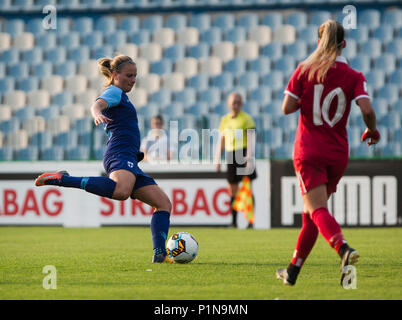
point(125, 179)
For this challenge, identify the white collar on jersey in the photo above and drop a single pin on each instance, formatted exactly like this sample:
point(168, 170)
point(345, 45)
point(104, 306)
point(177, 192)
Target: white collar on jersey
point(341, 59)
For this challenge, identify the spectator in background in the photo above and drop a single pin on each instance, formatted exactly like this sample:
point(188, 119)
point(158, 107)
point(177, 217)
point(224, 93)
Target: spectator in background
point(236, 140)
point(155, 145)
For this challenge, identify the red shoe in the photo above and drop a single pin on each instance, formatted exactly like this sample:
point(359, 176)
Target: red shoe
point(50, 178)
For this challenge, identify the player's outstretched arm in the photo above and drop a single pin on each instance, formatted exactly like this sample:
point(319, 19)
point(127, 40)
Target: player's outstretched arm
point(96, 111)
point(369, 118)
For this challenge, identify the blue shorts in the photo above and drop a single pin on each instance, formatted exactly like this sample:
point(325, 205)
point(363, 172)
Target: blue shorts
point(142, 179)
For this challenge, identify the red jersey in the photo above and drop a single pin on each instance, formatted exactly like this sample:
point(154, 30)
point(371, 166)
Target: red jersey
point(325, 107)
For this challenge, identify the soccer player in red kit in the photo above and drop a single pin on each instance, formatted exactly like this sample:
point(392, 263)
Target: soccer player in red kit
point(322, 87)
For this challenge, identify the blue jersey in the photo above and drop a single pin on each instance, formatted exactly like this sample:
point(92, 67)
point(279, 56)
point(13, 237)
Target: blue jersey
point(123, 131)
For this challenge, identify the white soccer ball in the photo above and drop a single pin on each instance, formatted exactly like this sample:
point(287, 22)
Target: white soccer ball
point(182, 247)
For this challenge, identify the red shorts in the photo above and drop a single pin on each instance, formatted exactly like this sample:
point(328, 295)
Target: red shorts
point(311, 175)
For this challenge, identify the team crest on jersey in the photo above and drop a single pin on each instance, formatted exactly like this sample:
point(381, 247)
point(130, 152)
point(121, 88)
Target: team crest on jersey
point(130, 164)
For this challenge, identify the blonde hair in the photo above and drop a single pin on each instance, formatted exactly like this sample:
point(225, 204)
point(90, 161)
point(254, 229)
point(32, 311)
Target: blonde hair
point(107, 66)
point(331, 35)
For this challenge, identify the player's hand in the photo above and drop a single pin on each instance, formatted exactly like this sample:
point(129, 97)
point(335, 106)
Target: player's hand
point(100, 118)
point(372, 136)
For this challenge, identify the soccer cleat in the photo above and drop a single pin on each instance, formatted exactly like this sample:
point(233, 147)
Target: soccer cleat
point(162, 258)
point(349, 258)
point(50, 178)
point(282, 274)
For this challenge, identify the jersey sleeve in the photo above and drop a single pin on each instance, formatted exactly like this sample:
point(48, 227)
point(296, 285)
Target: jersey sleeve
point(361, 90)
point(112, 95)
point(222, 125)
point(294, 87)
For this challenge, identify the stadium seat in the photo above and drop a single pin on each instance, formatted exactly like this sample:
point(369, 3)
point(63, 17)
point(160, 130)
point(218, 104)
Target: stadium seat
point(297, 49)
point(10, 56)
point(201, 21)
point(392, 17)
point(391, 149)
point(164, 37)
point(28, 84)
point(284, 151)
point(17, 139)
point(7, 84)
point(80, 153)
point(90, 69)
point(24, 41)
point(252, 108)
point(396, 77)
point(130, 24)
point(383, 33)
point(297, 20)
point(6, 153)
point(211, 66)
point(152, 22)
point(73, 111)
point(30, 153)
point(375, 78)
point(106, 24)
point(199, 109)
point(18, 70)
point(188, 36)
point(150, 51)
point(32, 56)
point(286, 64)
point(187, 96)
point(260, 34)
point(319, 17)
point(390, 92)
point(187, 66)
point(263, 94)
point(5, 112)
point(224, 21)
point(369, 17)
point(93, 39)
point(223, 81)
point(9, 126)
point(198, 51)
point(235, 66)
point(224, 50)
point(15, 99)
point(392, 120)
point(248, 50)
point(285, 34)
point(38, 98)
point(371, 48)
point(272, 20)
point(117, 38)
point(211, 95)
point(174, 110)
point(67, 140)
point(350, 51)
point(5, 41)
point(361, 63)
point(273, 137)
point(211, 36)
point(174, 81)
point(102, 51)
point(51, 112)
point(70, 40)
point(148, 111)
point(83, 25)
point(138, 97)
point(161, 67)
point(65, 69)
point(273, 50)
point(360, 34)
point(380, 106)
point(248, 80)
point(55, 153)
point(386, 62)
point(199, 82)
point(35, 26)
point(162, 97)
point(235, 35)
point(14, 27)
point(247, 21)
point(58, 125)
point(176, 22)
point(175, 52)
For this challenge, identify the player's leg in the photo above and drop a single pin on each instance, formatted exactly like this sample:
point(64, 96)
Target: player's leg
point(101, 186)
point(233, 188)
point(154, 196)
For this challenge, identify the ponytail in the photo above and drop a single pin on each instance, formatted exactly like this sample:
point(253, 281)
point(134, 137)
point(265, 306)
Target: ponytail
point(107, 66)
point(331, 36)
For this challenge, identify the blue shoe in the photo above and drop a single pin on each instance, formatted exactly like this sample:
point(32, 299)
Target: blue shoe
point(162, 258)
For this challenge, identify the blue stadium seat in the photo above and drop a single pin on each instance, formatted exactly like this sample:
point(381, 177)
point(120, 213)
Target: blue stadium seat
point(272, 20)
point(10, 56)
point(308, 34)
point(386, 62)
point(35, 26)
point(235, 35)
point(51, 112)
point(117, 38)
point(63, 25)
point(297, 49)
point(83, 25)
point(284, 151)
point(28, 84)
point(235, 66)
point(56, 55)
point(272, 50)
point(391, 149)
point(248, 21)
point(162, 66)
point(371, 48)
point(220, 108)
point(360, 34)
point(25, 113)
point(85, 139)
point(361, 63)
point(394, 47)
point(319, 17)
point(130, 24)
point(211, 36)
point(43, 69)
point(380, 106)
point(174, 110)
point(7, 84)
point(152, 22)
point(274, 108)
point(199, 109)
point(18, 70)
point(224, 21)
point(55, 153)
point(274, 80)
point(248, 80)
point(162, 97)
point(252, 108)
point(223, 81)
point(65, 69)
point(14, 27)
point(210, 95)
point(140, 37)
point(375, 78)
point(101, 52)
point(383, 33)
point(390, 92)
point(199, 82)
point(78, 153)
point(396, 77)
point(70, 40)
point(106, 24)
point(149, 110)
point(93, 39)
point(67, 139)
point(175, 52)
point(273, 137)
point(80, 54)
point(362, 151)
point(201, 21)
point(46, 40)
point(32, 56)
point(28, 154)
point(263, 94)
point(187, 96)
point(176, 22)
point(6, 154)
point(297, 19)
point(262, 65)
point(369, 17)
point(392, 120)
point(392, 17)
point(350, 51)
point(2, 70)
point(11, 125)
point(198, 51)
point(286, 64)
point(83, 126)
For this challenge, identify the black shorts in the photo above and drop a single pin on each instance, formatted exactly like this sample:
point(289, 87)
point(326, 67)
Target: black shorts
point(233, 158)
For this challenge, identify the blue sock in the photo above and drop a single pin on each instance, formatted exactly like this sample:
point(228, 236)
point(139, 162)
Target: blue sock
point(101, 186)
point(160, 228)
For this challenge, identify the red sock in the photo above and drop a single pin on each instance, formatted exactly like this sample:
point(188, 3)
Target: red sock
point(328, 227)
point(306, 240)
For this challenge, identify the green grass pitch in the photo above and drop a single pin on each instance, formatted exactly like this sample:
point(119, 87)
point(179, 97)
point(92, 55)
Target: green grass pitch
point(114, 263)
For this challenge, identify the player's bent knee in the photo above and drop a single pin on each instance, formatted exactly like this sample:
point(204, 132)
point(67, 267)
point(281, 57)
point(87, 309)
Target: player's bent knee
point(121, 194)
